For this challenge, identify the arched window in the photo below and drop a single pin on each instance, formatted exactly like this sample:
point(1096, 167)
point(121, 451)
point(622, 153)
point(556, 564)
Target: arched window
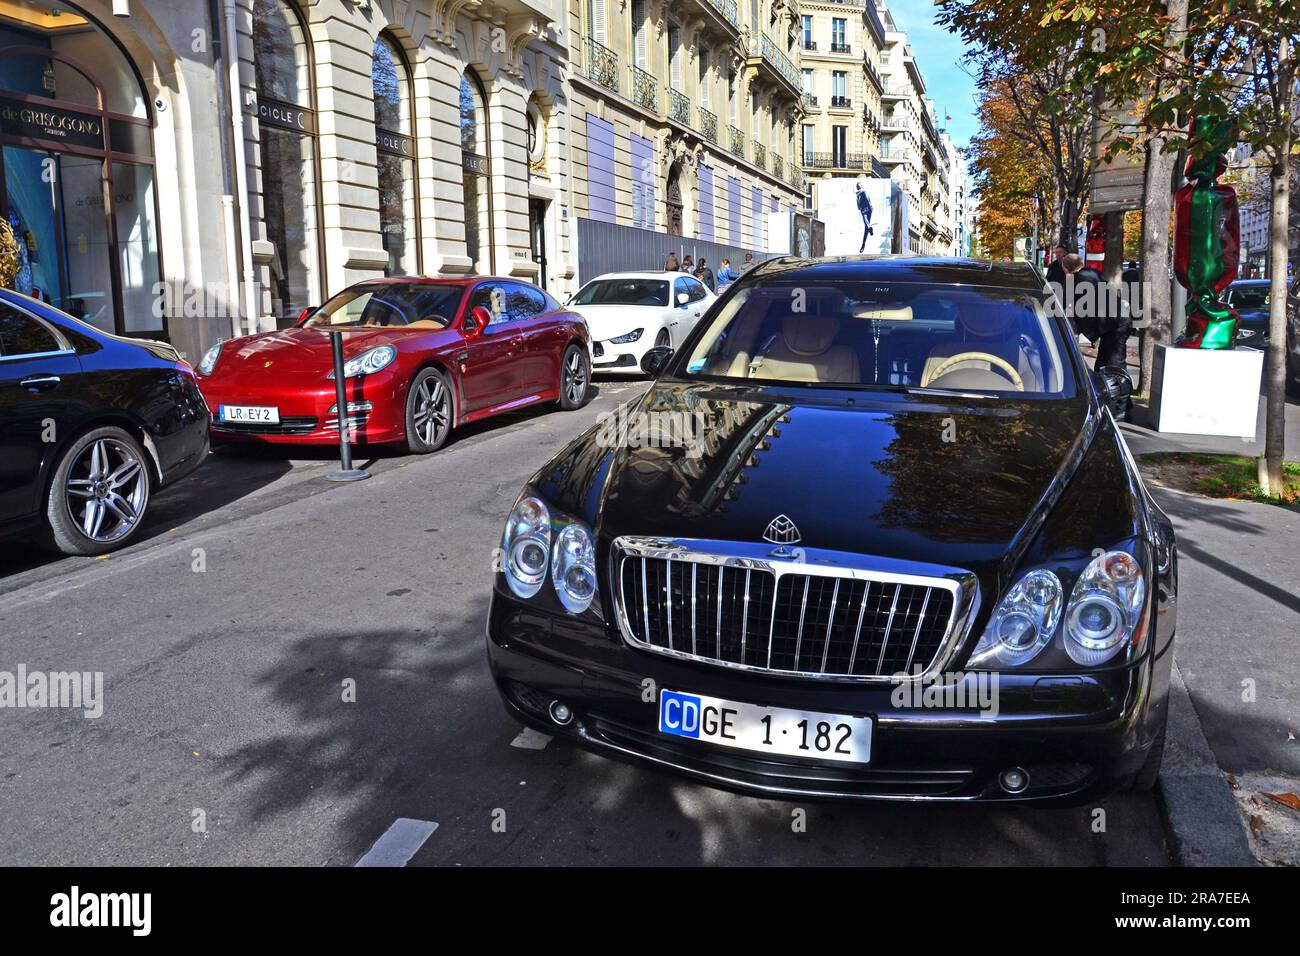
point(395, 144)
point(476, 171)
point(289, 180)
point(77, 167)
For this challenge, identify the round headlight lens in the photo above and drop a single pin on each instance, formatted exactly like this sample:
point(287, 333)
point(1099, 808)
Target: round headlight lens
point(1022, 624)
point(369, 362)
point(574, 564)
point(1105, 608)
point(526, 544)
point(209, 361)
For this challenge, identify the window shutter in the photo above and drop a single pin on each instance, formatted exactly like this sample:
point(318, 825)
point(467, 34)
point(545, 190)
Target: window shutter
point(639, 33)
point(597, 11)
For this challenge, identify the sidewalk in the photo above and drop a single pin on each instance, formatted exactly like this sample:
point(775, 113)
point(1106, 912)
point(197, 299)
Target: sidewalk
point(1238, 646)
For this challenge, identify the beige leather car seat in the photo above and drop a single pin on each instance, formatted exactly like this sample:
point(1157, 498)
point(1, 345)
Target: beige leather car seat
point(983, 327)
point(805, 351)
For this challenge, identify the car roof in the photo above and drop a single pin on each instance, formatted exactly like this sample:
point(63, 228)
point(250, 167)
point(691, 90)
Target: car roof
point(904, 268)
point(1251, 282)
point(657, 274)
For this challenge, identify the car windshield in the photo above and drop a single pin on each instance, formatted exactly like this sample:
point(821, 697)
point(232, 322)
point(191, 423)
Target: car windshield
point(884, 335)
point(418, 304)
point(623, 292)
point(1250, 297)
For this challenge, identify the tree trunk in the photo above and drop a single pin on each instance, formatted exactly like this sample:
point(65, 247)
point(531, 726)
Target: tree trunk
point(1157, 206)
point(1271, 474)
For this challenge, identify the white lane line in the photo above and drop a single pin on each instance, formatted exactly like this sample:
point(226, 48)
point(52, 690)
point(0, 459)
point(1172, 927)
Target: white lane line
point(530, 739)
point(399, 843)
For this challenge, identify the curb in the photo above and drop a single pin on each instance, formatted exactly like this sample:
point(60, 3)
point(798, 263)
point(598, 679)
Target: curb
point(1201, 815)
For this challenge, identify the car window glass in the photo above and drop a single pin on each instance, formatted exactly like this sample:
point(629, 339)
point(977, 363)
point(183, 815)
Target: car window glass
point(695, 289)
point(492, 296)
point(680, 286)
point(523, 301)
point(396, 304)
point(20, 334)
point(629, 291)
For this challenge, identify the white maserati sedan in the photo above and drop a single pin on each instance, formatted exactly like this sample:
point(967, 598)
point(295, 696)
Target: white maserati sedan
point(629, 313)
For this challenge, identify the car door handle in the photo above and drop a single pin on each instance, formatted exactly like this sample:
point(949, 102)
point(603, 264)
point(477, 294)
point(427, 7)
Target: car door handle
point(462, 357)
point(40, 383)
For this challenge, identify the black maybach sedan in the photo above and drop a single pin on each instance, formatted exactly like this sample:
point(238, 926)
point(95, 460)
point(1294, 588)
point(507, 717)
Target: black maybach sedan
point(873, 532)
point(91, 425)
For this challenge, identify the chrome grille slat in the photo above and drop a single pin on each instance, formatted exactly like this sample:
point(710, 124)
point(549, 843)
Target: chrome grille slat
point(812, 631)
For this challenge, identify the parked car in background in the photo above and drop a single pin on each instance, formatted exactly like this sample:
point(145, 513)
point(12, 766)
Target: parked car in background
point(1250, 298)
point(630, 313)
point(866, 503)
point(422, 356)
point(92, 425)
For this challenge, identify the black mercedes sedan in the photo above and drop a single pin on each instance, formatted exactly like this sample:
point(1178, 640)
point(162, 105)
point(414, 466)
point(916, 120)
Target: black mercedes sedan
point(91, 425)
point(873, 532)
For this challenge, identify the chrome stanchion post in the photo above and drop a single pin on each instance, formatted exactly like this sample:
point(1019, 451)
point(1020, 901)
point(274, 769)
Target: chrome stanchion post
point(346, 472)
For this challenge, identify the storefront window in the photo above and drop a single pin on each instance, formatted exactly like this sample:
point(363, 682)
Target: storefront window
point(476, 170)
point(395, 146)
point(77, 159)
point(287, 121)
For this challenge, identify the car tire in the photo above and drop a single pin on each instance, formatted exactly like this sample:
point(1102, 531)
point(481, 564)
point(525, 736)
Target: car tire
point(108, 470)
point(430, 408)
point(575, 377)
point(664, 338)
point(1150, 772)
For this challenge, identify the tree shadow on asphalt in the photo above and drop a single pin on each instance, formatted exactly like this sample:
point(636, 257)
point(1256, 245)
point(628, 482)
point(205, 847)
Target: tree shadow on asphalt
point(427, 738)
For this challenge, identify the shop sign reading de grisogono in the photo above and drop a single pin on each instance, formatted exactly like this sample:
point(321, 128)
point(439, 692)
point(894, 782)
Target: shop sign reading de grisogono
point(21, 119)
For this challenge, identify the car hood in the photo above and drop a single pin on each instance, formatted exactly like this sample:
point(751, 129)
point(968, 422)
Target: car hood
point(606, 321)
point(299, 351)
point(964, 485)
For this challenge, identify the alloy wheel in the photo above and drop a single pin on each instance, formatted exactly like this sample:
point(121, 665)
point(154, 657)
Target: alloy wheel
point(432, 412)
point(106, 490)
point(575, 377)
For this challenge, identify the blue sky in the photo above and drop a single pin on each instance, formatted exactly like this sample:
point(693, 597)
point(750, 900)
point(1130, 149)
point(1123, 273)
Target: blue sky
point(938, 53)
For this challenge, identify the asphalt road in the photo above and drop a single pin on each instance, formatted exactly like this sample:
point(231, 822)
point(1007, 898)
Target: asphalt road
point(224, 696)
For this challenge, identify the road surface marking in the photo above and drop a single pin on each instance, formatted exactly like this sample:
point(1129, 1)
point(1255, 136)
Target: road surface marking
point(399, 843)
point(530, 739)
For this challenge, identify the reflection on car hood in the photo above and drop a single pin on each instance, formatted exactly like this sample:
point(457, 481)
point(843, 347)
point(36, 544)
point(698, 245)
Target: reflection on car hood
point(964, 485)
point(305, 350)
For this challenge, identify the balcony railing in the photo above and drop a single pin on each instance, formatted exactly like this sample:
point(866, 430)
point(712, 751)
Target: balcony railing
point(679, 107)
point(872, 73)
point(602, 64)
point(729, 11)
point(708, 125)
point(810, 101)
point(841, 103)
point(896, 90)
point(778, 166)
point(896, 154)
point(776, 59)
point(870, 119)
point(841, 47)
point(760, 155)
point(810, 44)
point(645, 88)
point(737, 142)
point(834, 160)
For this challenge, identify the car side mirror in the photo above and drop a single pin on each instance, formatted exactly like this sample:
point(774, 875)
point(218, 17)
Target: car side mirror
point(682, 300)
point(478, 319)
point(1117, 386)
point(654, 360)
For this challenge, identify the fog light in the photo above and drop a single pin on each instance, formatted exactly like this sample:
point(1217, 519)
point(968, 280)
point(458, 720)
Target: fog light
point(1013, 780)
point(560, 712)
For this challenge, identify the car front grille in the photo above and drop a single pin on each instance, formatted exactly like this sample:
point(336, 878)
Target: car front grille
point(289, 425)
point(773, 610)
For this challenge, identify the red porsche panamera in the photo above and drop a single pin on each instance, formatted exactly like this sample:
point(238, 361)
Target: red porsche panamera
point(422, 356)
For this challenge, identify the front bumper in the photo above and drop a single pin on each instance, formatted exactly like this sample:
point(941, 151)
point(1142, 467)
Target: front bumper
point(377, 411)
point(624, 358)
point(1077, 736)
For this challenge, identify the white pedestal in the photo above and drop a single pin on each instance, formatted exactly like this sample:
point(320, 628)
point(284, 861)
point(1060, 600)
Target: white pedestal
point(1206, 392)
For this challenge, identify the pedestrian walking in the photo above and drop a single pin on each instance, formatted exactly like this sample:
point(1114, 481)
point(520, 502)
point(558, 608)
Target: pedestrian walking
point(688, 265)
point(726, 274)
point(708, 279)
point(1056, 271)
point(671, 264)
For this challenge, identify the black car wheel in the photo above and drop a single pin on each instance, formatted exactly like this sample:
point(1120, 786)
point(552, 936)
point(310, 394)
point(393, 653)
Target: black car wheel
point(574, 376)
point(99, 493)
point(428, 411)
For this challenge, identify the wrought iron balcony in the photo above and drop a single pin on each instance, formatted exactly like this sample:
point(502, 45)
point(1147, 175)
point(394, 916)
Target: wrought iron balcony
point(708, 125)
point(737, 142)
point(679, 107)
point(872, 73)
point(841, 47)
point(810, 44)
point(778, 166)
point(809, 101)
point(601, 64)
point(775, 59)
point(760, 155)
point(841, 103)
point(645, 88)
point(834, 160)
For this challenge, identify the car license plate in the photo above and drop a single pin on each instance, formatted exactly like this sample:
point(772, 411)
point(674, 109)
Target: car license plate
point(774, 730)
point(256, 414)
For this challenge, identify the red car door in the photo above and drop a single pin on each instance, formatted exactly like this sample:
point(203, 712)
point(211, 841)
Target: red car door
point(544, 335)
point(489, 355)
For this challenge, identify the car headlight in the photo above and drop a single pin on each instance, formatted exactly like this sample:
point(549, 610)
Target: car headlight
point(526, 544)
point(209, 361)
point(1105, 610)
point(368, 362)
point(629, 337)
point(1023, 623)
point(573, 568)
